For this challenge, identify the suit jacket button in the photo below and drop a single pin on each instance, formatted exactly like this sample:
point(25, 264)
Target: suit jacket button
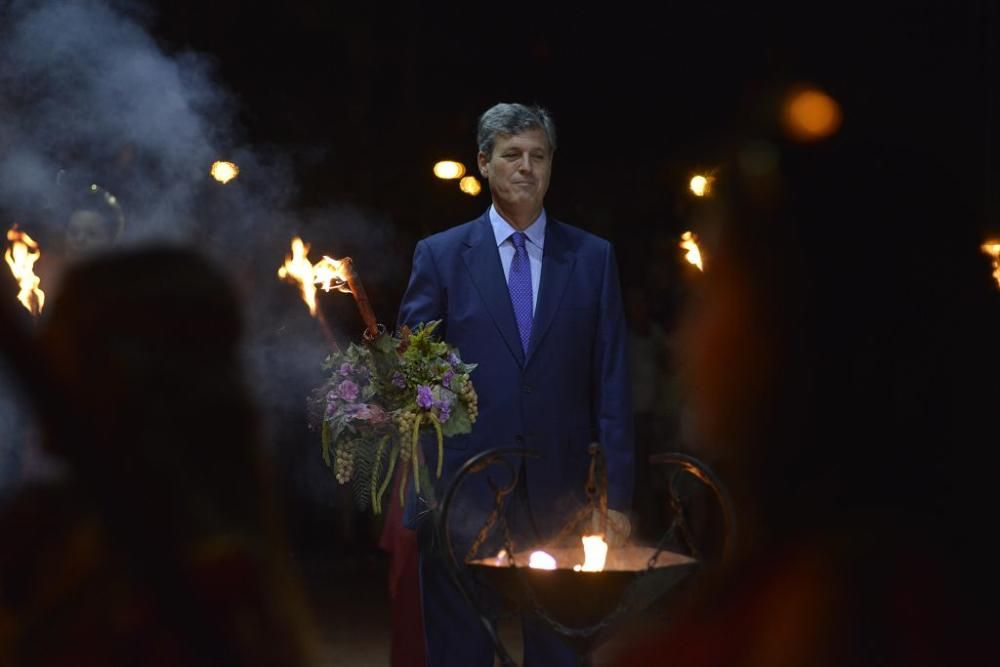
point(528, 389)
point(519, 439)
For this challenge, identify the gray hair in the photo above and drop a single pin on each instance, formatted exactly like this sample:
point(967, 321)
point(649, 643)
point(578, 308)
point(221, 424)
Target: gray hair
point(509, 119)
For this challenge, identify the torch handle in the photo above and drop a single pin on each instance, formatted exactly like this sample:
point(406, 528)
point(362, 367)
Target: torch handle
point(361, 298)
point(331, 342)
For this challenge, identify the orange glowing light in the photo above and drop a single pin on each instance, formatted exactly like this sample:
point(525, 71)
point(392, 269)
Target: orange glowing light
point(700, 185)
point(327, 273)
point(540, 560)
point(449, 170)
point(810, 114)
point(689, 242)
point(470, 186)
point(21, 255)
point(992, 248)
point(224, 172)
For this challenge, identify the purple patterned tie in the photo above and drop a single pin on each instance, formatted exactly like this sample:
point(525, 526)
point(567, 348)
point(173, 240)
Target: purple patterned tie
point(519, 283)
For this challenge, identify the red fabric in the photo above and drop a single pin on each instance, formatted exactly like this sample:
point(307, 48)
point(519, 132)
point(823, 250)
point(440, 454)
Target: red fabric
point(404, 589)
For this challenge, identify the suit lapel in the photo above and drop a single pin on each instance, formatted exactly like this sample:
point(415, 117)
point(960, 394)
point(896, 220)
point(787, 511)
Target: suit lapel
point(557, 266)
point(483, 262)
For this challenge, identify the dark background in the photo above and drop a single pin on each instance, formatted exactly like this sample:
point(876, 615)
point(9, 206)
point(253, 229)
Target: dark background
point(352, 103)
point(364, 100)
point(367, 98)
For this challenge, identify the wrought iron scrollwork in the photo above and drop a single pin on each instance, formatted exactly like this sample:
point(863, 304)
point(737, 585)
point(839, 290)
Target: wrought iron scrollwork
point(700, 471)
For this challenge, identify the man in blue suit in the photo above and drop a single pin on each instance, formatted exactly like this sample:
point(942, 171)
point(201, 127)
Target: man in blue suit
point(537, 304)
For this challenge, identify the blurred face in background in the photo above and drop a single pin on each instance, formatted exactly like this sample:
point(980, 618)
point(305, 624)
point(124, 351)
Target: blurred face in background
point(87, 232)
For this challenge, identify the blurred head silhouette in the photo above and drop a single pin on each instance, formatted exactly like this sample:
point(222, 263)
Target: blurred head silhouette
point(146, 346)
point(165, 524)
point(839, 359)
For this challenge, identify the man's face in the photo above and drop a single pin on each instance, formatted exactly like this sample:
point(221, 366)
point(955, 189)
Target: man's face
point(518, 171)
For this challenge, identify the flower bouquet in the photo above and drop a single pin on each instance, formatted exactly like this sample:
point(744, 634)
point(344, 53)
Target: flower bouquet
point(378, 399)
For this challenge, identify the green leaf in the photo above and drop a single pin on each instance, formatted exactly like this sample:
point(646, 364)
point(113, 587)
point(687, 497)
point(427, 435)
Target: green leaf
point(326, 440)
point(458, 383)
point(336, 428)
point(425, 330)
point(330, 360)
point(458, 423)
point(364, 469)
point(385, 345)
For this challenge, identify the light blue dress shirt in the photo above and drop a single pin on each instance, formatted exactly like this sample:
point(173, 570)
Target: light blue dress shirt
point(502, 231)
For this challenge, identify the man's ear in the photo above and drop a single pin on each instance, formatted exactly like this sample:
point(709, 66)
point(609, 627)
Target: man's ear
point(483, 164)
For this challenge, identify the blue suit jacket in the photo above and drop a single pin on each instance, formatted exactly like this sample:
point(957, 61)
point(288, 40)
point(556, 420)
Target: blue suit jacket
point(572, 386)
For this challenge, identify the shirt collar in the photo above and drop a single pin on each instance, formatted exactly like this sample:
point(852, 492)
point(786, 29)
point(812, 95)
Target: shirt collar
point(502, 230)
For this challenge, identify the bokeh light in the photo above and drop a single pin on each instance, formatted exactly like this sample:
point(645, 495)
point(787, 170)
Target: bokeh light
point(449, 170)
point(809, 114)
point(470, 186)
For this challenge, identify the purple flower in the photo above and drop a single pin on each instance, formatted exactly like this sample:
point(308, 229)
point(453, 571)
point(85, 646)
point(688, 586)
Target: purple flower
point(348, 390)
point(370, 412)
point(453, 359)
point(444, 409)
point(398, 379)
point(346, 369)
point(447, 377)
point(425, 399)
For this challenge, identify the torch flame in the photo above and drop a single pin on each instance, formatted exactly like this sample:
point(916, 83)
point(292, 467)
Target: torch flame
point(331, 274)
point(21, 256)
point(298, 269)
point(327, 273)
point(992, 248)
point(689, 242)
point(541, 561)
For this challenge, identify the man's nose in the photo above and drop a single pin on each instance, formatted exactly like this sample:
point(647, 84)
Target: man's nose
point(524, 164)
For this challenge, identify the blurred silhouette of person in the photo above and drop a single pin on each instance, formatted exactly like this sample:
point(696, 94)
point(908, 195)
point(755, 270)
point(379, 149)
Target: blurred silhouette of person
point(81, 220)
point(842, 373)
point(161, 546)
point(647, 346)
